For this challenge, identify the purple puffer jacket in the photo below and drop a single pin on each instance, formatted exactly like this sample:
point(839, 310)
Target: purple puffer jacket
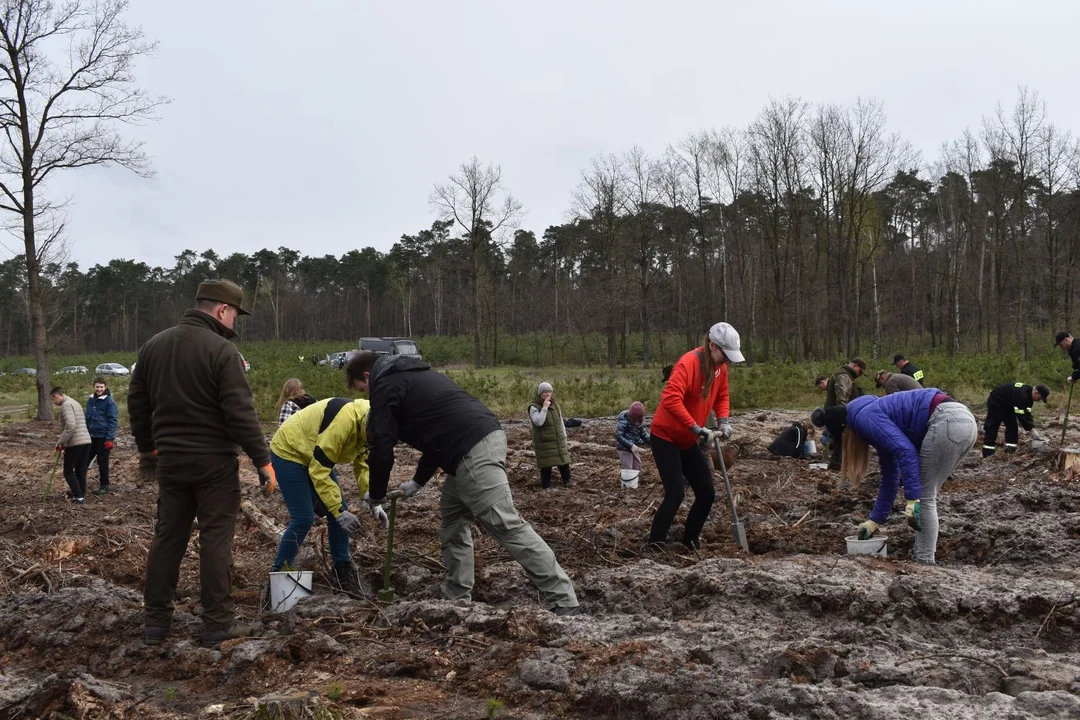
point(895, 426)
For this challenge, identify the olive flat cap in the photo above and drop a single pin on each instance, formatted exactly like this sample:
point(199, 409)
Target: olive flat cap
point(223, 291)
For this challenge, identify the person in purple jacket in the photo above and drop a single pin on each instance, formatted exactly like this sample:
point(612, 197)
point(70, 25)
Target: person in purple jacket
point(920, 436)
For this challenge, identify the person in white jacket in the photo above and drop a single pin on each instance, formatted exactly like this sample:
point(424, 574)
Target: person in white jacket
point(74, 442)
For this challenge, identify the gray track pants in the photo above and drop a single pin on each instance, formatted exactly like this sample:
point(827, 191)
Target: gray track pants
point(950, 435)
point(479, 491)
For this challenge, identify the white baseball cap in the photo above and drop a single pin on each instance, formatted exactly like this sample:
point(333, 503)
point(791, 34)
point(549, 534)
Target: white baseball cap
point(727, 339)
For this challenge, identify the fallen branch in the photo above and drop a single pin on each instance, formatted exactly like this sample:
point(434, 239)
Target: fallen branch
point(1051, 614)
point(984, 661)
point(797, 524)
point(268, 529)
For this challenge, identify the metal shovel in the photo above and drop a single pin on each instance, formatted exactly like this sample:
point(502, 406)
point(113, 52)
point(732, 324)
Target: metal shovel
point(386, 594)
point(737, 528)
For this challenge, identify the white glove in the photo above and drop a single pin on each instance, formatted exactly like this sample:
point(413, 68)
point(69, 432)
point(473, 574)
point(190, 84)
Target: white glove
point(637, 450)
point(1070, 380)
point(380, 516)
point(1036, 435)
point(725, 429)
point(409, 487)
point(348, 522)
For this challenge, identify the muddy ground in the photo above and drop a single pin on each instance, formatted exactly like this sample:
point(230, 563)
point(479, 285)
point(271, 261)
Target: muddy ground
point(795, 628)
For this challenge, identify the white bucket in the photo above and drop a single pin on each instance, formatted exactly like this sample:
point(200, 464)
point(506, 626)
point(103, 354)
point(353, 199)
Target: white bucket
point(289, 588)
point(874, 546)
point(629, 478)
point(809, 448)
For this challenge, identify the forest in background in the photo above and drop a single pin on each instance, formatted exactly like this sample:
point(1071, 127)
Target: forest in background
point(815, 230)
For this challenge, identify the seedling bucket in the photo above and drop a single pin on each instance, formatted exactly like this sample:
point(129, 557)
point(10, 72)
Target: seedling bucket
point(289, 588)
point(874, 546)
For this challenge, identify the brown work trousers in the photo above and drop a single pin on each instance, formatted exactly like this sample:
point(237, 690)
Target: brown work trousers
point(207, 488)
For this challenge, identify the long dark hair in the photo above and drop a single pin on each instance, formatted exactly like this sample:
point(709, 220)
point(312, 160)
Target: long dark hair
point(708, 369)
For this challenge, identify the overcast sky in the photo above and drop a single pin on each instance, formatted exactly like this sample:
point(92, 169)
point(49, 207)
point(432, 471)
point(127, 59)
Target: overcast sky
point(322, 125)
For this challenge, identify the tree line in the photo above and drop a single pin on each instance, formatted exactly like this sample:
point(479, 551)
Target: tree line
point(814, 230)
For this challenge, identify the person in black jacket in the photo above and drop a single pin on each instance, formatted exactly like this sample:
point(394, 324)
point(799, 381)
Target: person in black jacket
point(907, 367)
point(1064, 340)
point(790, 442)
point(456, 432)
point(1009, 403)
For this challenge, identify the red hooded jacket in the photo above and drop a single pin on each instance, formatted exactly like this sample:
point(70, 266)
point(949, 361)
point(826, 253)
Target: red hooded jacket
point(681, 405)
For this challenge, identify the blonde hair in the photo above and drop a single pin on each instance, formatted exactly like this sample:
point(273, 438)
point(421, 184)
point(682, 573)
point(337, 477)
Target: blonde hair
point(856, 461)
point(292, 389)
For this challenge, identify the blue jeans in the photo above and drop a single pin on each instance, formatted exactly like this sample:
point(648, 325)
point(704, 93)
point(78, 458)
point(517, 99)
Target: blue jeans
point(303, 503)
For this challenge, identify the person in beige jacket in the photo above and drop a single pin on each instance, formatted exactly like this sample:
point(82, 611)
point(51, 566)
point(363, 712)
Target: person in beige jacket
point(74, 442)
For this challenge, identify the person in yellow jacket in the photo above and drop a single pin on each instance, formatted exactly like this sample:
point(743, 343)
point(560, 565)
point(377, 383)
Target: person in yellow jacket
point(304, 451)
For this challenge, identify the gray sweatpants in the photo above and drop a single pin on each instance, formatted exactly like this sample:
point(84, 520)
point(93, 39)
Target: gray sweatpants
point(479, 491)
point(950, 435)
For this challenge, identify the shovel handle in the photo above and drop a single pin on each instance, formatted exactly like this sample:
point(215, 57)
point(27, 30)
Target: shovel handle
point(1065, 424)
point(392, 515)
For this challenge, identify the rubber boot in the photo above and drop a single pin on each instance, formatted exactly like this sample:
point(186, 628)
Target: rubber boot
point(345, 575)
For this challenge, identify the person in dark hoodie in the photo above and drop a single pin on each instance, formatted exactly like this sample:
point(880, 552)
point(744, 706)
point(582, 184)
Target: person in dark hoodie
point(102, 420)
point(1064, 340)
point(453, 431)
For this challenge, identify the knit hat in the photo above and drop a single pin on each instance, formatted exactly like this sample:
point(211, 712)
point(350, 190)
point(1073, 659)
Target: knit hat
point(543, 388)
point(818, 417)
point(636, 412)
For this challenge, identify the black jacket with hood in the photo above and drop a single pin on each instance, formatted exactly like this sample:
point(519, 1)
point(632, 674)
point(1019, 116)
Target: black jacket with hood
point(412, 403)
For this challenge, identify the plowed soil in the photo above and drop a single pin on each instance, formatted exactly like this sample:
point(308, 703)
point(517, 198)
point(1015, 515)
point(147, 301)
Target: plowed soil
point(794, 628)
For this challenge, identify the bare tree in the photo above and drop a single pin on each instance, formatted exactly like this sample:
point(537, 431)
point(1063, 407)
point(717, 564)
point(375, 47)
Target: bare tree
point(476, 200)
point(68, 84)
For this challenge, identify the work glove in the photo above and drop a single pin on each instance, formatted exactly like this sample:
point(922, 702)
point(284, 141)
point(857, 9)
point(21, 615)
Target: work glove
point(1070, 380)
point(1036, 435)
point(108, 444)
point(725, 429)
point(373, 501)
point(637, 450)
point(59, 448)
point(148, 466)
point(267, 479)
point(409, 487)
point(867, 529)
point(914, 515)
point(705, 436)
point(348, 522)
point(380, 516)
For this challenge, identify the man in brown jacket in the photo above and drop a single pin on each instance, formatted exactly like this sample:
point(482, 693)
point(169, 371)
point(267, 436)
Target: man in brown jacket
point(840, 390)
point(895, 382)
point(74, 442)
point(190, 406)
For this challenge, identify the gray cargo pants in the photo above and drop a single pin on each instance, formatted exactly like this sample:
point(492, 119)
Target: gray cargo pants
point(479, 492)
point(950, 435)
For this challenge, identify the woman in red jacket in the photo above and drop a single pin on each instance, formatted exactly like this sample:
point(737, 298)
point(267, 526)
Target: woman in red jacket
point(698, 384)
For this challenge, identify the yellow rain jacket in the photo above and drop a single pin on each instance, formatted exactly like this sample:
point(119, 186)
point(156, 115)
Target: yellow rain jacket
point(323, 435)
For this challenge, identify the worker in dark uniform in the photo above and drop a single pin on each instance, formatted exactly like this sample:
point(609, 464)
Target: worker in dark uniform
point(190, 407)
point(1064, 340)
point(1011, 403)
point(907, 367)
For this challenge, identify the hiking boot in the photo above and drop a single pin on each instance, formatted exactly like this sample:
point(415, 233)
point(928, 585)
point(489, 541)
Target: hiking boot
point(213, 638)
point(347, 582)
point(80, 501)
point(102, 490)
point(567, 611)
point(153, 635)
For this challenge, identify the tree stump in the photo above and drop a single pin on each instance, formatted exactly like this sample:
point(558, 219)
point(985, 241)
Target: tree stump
point(1068, 461)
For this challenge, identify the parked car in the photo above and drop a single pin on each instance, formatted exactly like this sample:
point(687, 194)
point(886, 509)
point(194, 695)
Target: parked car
point(72, 370)
point(111, 369)
point(24, 371)
point(390, 346)
point(339, 360)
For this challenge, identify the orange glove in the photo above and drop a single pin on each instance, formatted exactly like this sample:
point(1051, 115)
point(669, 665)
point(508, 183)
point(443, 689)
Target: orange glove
point(267, 479)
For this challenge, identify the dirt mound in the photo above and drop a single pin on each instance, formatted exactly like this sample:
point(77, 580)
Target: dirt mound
point(795, 628)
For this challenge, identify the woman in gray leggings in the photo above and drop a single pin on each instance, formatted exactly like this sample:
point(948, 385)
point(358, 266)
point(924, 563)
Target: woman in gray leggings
point(921, 436)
